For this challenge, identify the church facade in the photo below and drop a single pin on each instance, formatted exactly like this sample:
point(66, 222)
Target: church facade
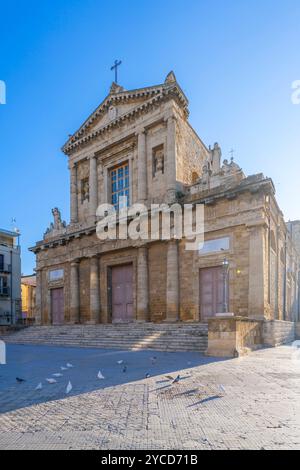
point(139, 144)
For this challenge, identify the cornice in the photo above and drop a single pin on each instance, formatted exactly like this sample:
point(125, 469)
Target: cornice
point(159, 94)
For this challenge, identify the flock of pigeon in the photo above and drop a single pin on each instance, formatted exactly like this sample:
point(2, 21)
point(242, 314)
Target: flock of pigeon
point(100, 376)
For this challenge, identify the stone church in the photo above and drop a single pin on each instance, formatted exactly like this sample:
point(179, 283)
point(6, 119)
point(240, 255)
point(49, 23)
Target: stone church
point(139, 144)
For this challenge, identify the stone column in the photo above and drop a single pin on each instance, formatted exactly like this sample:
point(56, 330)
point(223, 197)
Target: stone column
point(257, 269)
point(172, 282)
point(74, 293)
point(94, 291)
point(74, 195)
point(142, 167)
point(143, 313)
point(38, 298)
point(171, 159)
point(93, 187)
point(29, 301)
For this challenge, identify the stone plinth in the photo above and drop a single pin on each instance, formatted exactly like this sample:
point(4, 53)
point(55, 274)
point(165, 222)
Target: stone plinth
point(277, 332)
point(230, 336)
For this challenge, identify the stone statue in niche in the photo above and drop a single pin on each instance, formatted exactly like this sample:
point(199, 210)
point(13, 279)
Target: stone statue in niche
point(159, 161)
point(85, 190)
point(57, 225)
point(215, 155)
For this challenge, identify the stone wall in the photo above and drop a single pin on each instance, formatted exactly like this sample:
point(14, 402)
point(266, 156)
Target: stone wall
point(277, 332)
point(233, 336)
point(191, 153)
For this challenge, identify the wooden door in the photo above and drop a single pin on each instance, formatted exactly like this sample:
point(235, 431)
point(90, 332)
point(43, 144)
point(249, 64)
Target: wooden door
point(122, 294)
point(211, 292)
point(57, 306)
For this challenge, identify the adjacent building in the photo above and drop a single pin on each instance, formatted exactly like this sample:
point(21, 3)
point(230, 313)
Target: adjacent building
point(139, 144)
point(28, 287)
point(10, 278)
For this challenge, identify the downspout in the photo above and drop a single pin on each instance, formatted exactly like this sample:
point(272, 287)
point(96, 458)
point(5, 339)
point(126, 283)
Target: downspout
point(11, 287)
point(298, 313)
point(285, 277)
point(269, 256)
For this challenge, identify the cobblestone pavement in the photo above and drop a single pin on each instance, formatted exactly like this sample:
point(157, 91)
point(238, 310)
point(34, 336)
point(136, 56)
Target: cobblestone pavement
point(259, 409)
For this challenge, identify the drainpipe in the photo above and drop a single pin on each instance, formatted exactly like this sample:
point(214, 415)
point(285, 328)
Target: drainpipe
point(285, 277)
point(298, 292)
point(11, 287)
point(269, 256)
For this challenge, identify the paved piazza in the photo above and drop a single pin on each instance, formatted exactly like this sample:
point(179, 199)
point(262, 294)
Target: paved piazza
point(259, 409)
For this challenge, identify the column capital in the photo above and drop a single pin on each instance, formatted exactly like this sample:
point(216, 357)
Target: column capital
point(141, 131)
point(170, 118)
point(94, 258)
point(72, 165)
point(91, 156)
point(75, 262)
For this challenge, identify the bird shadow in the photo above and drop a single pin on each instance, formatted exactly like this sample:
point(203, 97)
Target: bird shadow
point(205, 400)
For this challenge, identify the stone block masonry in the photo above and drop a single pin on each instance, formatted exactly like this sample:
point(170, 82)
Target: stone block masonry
point(277, 332)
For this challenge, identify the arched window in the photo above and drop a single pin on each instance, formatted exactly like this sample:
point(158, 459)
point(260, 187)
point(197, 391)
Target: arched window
point(195, 177)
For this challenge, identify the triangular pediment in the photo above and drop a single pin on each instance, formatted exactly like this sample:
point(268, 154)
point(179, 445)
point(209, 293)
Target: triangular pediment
point(114, 108)
point(120, 104)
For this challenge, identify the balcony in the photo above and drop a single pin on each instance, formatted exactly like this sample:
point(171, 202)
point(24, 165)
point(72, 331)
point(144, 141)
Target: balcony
point(5, 268)
point(4, 292)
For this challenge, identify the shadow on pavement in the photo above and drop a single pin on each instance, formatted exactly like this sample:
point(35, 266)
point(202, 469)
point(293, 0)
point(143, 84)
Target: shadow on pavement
point(35, 364)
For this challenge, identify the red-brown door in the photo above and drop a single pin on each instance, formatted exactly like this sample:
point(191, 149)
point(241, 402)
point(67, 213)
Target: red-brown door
point(122, 294)
point(57, 306)
point(211, 292)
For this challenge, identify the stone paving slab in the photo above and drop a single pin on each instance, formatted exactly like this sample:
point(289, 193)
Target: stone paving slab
point(260, 408)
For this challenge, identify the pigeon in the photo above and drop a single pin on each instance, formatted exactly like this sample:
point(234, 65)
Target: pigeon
point(20, 380)
point(176, 380)
point(69, 365)
point(125, 369)
point(57, 375)
point(100, 376)
point(120, 362)
point(69, 388)
point(39, 386)
point(63, 368)
point(222, 388)
point(51, 381)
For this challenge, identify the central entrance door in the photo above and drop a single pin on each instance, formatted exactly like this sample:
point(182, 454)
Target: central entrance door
point(211, 292)
point(57, 306)
point(122, 294)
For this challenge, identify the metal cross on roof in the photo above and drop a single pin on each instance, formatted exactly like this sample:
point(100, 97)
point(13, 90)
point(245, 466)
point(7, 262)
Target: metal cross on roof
point(232, 152)
point(115, 68)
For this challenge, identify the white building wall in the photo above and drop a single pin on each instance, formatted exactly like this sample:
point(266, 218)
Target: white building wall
point(10, 306)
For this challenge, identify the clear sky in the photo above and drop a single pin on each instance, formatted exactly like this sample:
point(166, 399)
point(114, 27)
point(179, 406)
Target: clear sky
point(235, 60)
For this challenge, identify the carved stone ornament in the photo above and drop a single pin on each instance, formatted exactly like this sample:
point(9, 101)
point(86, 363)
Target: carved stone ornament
point(57, 225)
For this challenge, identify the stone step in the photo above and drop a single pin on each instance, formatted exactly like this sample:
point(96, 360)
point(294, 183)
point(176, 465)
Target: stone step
point(164, 337)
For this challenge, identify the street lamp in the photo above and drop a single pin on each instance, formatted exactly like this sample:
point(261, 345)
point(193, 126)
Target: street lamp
point(225, 264)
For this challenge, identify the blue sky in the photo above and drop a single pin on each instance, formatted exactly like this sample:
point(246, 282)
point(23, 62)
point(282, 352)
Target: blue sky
point(235, 60)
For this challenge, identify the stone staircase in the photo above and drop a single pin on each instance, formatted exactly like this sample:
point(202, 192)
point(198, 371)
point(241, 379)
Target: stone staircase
point(134, 336)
